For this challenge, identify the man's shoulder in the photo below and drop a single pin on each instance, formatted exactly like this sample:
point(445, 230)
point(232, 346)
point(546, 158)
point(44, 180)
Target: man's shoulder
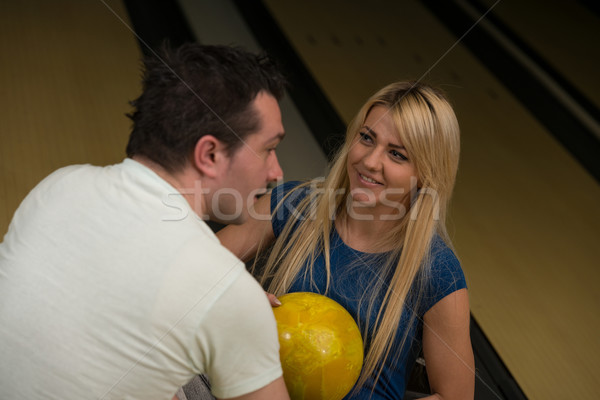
point(203, 256)
point(206, 242)
point(227, 273)
point(68, 172)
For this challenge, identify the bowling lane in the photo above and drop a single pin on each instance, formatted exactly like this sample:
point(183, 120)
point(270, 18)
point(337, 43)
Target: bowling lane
point(565, 34)
point(524, 217)
point(68, 71)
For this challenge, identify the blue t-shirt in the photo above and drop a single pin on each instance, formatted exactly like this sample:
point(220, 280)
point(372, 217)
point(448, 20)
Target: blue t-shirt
point(353, 274)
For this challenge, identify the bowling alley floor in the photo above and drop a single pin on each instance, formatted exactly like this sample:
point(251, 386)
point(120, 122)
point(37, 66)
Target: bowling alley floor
point(522, 77)
point(525, 214)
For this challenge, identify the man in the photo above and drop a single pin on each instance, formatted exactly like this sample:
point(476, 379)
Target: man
point(112, 285)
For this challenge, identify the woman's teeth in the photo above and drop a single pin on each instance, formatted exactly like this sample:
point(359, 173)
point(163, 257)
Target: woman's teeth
point(366, 178)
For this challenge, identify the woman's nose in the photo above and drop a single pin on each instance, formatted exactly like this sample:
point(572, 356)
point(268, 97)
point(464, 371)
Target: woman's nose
point(372, 160)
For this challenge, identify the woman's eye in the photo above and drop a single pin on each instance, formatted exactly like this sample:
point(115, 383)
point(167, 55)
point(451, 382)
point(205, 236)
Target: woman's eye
point(365, 137)
point(398, 155)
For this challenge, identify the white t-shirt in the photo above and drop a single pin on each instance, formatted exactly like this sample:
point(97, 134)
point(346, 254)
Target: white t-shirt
point(111, 287)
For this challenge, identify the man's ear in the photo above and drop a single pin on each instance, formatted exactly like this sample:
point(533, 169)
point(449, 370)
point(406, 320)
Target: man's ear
point(209, 154)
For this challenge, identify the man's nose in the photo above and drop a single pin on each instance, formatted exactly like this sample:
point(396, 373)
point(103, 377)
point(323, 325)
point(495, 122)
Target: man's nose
point(275, 171)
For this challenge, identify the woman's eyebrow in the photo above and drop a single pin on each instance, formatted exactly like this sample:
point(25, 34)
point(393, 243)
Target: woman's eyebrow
point(392, 145)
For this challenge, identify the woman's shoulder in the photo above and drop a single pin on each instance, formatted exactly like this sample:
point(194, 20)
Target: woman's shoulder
point(291, 193)
point(283, 189)
point(285, 199)
point(445, 274)
point(442, 255)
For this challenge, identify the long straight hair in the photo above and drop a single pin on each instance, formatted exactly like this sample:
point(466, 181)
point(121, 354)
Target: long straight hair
point(428, 129)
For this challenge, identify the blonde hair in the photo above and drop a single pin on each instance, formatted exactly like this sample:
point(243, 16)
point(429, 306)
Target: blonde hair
point(428, 129)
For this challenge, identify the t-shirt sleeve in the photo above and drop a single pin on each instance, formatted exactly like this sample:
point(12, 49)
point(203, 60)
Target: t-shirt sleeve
point(239, 339)
point(446, 275)
point(285, 207)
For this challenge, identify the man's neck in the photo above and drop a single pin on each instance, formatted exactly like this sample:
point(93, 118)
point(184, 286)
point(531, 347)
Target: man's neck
point(187, 182)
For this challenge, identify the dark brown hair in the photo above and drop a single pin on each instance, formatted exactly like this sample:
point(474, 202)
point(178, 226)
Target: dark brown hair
point(196, 90)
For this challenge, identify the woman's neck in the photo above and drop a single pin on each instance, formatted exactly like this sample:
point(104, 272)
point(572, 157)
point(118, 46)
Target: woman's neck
point(364, 235)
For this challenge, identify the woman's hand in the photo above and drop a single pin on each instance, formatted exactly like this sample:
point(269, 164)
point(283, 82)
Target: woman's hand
point(273, 300)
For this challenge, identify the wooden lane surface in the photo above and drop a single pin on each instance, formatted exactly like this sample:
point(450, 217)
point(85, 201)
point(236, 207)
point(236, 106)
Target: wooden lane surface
point(564, 33)
point(68, 70)
point(525, 215)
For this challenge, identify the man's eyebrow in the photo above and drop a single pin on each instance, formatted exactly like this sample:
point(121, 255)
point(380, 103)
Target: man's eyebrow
point(392, 145)
point(277, 137)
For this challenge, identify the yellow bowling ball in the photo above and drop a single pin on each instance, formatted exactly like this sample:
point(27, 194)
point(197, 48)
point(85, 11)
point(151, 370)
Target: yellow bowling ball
point(321, 347)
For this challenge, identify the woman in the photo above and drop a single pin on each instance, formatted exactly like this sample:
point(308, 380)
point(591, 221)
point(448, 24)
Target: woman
point(372, 236)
